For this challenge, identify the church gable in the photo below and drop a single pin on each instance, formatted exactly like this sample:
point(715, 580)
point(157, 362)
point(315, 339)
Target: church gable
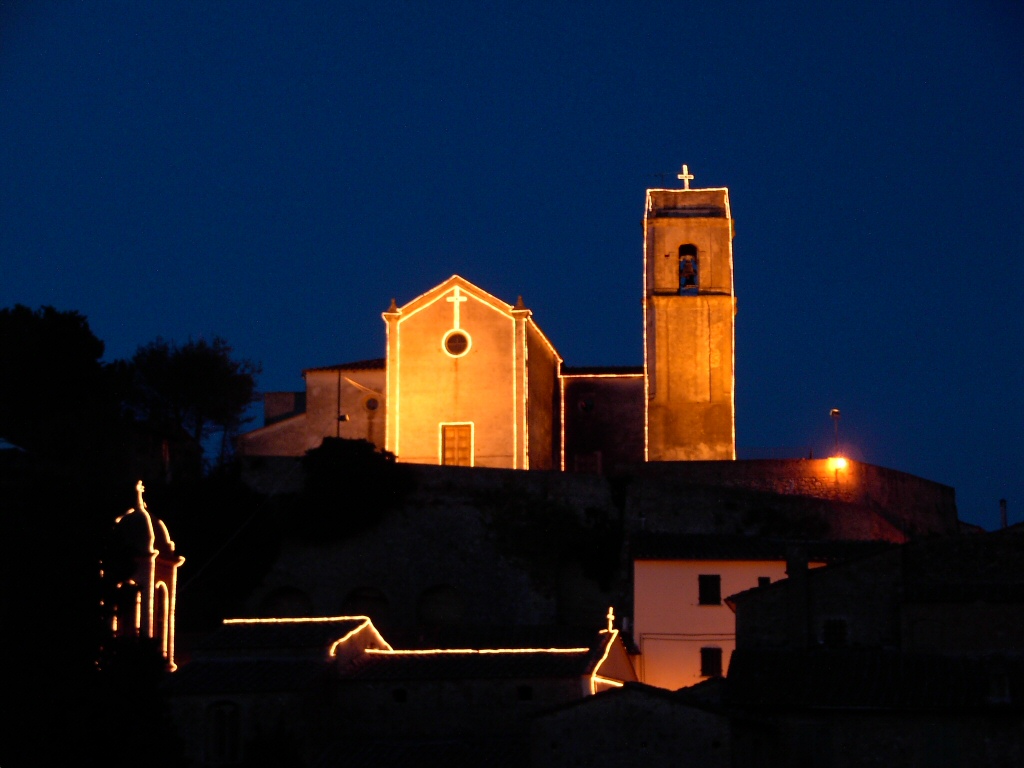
point(455, 379)
point(445, 291)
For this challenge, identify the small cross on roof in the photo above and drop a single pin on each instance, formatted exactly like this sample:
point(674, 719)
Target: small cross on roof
point(686, 176)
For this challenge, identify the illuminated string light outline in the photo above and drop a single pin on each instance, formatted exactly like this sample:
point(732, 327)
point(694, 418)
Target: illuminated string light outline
point(515, 393)
point(594, 678)
point(612, 634)
point(402, 315)
point(171, 622)
point(333, 651)
point(452, 332)
point(476, 651)
point(393, 366)
point(167, 630)
point(364, 623)
point(164, 638)
point(561, 417)
point(138, 612)
point(648, 207)
point(298, 620)
point(563, 376)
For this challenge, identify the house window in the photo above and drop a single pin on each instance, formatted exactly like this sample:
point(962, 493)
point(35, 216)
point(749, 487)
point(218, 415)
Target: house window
point(457, 445)
point(709, 589)
point(764, 581)
point(222, 733)
point(711, 662)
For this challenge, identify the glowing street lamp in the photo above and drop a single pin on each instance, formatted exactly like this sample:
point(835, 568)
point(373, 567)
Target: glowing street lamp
point(834, 413)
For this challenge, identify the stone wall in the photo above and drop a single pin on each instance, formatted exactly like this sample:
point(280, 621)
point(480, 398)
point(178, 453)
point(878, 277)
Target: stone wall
point(503, 547)
point(858, 501)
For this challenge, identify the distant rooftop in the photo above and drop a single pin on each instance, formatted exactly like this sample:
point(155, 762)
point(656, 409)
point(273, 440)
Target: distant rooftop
point(376, 363)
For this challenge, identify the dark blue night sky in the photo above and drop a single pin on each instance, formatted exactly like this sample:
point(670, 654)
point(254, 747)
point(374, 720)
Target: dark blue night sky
point(275, 174)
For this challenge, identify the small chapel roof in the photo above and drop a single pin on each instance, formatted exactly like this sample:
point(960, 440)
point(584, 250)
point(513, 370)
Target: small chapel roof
point(484, 664)
point(141, 531)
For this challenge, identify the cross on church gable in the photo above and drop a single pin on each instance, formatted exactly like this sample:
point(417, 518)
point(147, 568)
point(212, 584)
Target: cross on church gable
point(456, 299)
point(454, 292)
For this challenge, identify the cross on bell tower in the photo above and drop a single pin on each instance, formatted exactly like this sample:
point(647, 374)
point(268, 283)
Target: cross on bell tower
point(689, 307)
point(685, 176)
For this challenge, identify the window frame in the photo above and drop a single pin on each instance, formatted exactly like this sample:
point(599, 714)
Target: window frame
point(711, 661)
point(709, 589)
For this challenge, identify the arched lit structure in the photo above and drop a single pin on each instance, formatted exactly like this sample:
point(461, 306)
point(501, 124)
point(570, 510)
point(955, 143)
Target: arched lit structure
point(144, 603)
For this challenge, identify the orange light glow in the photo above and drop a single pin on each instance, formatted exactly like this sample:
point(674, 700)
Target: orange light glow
point(838, 462)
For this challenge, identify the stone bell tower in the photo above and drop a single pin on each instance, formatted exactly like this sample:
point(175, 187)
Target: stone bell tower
point(689, 330)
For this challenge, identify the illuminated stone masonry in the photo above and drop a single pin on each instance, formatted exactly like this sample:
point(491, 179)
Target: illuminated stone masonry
point(470, 380)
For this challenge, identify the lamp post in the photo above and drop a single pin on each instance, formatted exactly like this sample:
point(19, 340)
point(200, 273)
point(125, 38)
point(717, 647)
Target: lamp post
point(834, 413)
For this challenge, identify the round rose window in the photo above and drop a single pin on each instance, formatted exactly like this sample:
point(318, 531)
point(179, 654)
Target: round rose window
point(456, 343)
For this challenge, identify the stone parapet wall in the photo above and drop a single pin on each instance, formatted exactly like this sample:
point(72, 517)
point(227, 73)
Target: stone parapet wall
point(911, 504)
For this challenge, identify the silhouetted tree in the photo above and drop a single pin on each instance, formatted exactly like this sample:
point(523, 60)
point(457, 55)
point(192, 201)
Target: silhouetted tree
point(197, 389)
point(54, 392)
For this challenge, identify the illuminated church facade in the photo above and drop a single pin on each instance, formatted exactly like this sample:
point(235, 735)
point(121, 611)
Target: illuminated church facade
point(470, 380)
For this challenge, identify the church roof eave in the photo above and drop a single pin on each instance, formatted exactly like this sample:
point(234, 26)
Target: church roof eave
point(441, 288)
